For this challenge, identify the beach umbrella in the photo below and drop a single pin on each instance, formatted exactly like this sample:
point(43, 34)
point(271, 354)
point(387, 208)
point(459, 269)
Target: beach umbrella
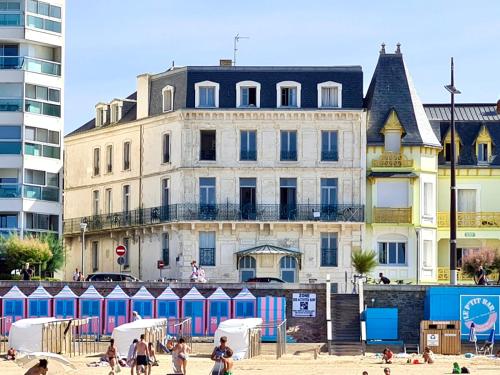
point(472, 333)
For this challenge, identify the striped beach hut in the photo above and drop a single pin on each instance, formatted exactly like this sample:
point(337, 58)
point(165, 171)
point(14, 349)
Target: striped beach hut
point(90, 305)
point(65, 303)
point(244, 305)
point(193, 306)
point(143, 303)
point(40, 303)
point(219, 309)
point(116, 312)
point(272, 310)
point(13, 307)
point(168, 307)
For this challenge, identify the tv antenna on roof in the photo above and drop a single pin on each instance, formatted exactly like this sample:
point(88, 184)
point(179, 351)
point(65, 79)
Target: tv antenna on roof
point(236, 40)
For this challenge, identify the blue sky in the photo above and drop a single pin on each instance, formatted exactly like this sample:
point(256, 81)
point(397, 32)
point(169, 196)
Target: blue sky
point(110, 42)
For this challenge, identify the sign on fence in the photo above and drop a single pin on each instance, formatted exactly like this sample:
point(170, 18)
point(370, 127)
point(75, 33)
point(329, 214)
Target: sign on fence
point(432, 339)
point(304, 305)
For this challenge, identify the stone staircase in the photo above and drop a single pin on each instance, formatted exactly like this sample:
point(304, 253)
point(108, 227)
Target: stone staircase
point(346, 325)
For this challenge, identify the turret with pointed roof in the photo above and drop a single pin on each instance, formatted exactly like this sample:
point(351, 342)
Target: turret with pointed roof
point(391, 89)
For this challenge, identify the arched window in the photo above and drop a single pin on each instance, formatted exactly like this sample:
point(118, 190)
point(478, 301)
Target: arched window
point(247, 266)
point(288, 268)
point(329, 95)
point(248, 94)
point(288, 94)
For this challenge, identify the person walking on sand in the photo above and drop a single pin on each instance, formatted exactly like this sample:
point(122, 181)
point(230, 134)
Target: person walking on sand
point(39, 369)
point(217, 355)
point(141, 356)
point(182, 351)
point(112, 356)
point(131, 356)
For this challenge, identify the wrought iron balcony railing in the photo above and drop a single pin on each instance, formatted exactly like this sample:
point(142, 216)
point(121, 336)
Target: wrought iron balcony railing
point(329, 155)
point(217, 212)
point(250, 155)
point(392, 160)
point(392, 215)
point(471, 219)
point(288, 155)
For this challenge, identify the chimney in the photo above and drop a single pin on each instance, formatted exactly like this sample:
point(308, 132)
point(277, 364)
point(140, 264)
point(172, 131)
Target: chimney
point(143, 83)
point(382, 49)
point(225, 62)
point(398, 49)
point(498, 107)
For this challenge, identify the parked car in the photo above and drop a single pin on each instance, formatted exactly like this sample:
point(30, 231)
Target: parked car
point(265, 280)
point(111, 276)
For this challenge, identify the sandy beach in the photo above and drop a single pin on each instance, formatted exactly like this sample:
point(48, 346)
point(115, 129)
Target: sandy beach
point(291, 363)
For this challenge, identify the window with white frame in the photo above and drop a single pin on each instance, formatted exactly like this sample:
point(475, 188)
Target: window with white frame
point(109, 159)
point(101, 114)
point(206, 94)
point(95, 256)
point(392, 194)
point(126, 156)
point(288, 94)
point(329, 95)
point(207, 249)
point(482, 153)
point(392, 253)
point(168, 98)
point(95, 202)
point(97, 161)
point(165, 250)
point(116, 111)
point(428, 199)
point(248, 94)
point(467, 199)
point(165, 148)
point(108, 201)
point(392, 141)
point(428, 263)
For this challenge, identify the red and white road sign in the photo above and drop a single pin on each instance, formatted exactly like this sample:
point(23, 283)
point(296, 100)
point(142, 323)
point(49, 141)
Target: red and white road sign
point(160, 264)
point(120, 250)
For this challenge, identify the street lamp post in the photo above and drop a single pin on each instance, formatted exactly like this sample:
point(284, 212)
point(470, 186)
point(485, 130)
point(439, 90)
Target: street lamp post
point(83, 228)
point(453, 185)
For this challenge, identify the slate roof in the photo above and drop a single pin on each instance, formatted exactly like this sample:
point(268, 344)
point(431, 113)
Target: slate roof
point(469, 118)
point(391, 87)
point(183, 80)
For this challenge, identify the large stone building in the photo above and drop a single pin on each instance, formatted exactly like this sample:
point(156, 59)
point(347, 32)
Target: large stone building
point(31, 115)
point(250, 171)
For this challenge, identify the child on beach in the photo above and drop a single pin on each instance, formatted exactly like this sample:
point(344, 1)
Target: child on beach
point(428, 355)
point(387, 355)
point(228, 362)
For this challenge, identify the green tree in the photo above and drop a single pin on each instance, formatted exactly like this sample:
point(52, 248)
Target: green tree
point(364, 261)
point(57, 249)
point(19, 251)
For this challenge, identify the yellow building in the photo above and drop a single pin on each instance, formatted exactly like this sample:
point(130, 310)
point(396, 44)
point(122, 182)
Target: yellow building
point(402, 168)
point(478, 179)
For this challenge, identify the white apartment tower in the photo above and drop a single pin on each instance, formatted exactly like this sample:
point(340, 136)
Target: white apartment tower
point(31, 115)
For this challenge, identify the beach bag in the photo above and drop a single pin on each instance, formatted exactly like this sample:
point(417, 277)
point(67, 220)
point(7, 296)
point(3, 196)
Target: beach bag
point(465, 370)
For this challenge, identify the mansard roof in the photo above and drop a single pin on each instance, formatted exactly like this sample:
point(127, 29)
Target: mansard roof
point(391, 88)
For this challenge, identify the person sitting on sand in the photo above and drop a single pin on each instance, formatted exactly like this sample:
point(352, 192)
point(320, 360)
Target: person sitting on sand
point(181, 350)
point(387, 355)
point(228, 362)
point(11, 354)
point(39, 369)
point(428, 355)
point(112, 355)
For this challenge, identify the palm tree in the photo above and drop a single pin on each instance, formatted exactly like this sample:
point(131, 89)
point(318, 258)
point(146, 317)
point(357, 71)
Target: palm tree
point(364, 261)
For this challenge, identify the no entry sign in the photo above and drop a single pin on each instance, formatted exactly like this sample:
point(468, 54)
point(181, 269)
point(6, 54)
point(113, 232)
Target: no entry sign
point(120, 250)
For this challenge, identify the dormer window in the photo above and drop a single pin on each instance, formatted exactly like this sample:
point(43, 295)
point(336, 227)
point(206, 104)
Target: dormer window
point(288, 94)
point(168, 98)
point(206, 94)
point(116, 110)
point(329, 95)
point(447, 147)
point(483, 146)
point(101, 116)
point(392, 131)
point(248, 94)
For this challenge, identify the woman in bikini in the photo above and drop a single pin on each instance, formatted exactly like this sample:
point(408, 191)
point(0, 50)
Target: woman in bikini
point(181, 350)
point(111, 355)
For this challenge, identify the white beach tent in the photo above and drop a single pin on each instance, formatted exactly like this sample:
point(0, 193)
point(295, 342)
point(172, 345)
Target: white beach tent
point(26, 334)
point(126, 333)
point(236, 331)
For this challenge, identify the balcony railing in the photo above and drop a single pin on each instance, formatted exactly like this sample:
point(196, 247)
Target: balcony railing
point(44, 193)
point(11, 104)
point(392, 160)
point(248, 155)
point(11, 19)
point(10, 191)
point(11, 62)
point(30, 64)
point(471, 219)
point(218, 212)
point(392, 215)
